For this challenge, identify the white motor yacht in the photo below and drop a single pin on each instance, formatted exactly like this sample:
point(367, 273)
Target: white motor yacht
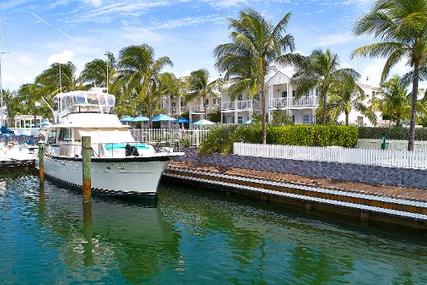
point(120, 165)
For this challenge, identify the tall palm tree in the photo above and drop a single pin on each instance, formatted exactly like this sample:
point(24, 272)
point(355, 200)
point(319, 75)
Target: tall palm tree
point(58, 76)
point(400, 26)
point(395, 100)
point(170, 86)
point(198, 86)
point(255, 45)
point(346, 95)
point(320, 70)
point(98, 71)
point(139, 71)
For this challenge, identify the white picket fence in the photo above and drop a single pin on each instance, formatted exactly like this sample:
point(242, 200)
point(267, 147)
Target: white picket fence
point(385, 158)
point(170, 136)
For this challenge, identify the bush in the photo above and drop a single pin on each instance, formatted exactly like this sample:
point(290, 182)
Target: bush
point(391, 133)
point(221, 138)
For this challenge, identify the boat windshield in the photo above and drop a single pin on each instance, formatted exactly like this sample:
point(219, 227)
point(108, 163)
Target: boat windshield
point(85, 102)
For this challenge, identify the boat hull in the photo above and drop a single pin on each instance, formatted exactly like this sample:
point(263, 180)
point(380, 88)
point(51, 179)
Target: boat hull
point(110, 176)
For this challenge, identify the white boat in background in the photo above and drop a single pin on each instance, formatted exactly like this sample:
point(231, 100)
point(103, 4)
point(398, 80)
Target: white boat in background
point(120, 166)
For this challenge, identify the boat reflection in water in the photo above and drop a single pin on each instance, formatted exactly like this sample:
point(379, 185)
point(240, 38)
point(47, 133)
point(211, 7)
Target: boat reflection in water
point(109, 235)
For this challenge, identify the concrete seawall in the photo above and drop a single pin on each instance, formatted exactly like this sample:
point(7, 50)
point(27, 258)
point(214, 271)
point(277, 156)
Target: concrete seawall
point(413, 178)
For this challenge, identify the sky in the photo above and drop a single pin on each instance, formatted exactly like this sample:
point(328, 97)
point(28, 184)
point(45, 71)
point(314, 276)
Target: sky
point(37, 33)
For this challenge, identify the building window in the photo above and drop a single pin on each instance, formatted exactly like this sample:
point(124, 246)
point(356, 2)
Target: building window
point(284, 94)
point(240, 97)
point(306, 119)
point(373, 94)
point(214, 101)
point(359, 120)
point(294, 93)
point(240, 119)
point(206, 101)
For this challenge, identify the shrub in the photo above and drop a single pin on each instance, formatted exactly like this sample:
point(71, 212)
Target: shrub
point(221, 138)
point(393, 133)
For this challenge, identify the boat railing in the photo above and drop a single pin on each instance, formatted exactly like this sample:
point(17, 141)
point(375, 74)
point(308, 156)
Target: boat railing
point(110, 150)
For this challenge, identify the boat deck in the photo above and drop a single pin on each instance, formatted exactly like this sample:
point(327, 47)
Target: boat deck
point(364, 200)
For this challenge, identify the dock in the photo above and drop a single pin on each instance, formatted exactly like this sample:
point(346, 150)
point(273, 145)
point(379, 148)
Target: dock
point(369, 203)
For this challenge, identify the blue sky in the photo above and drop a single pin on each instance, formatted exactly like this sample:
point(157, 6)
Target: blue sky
point(39, 32)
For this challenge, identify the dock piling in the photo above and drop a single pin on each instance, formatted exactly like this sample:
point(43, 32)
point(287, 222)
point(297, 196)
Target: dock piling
point(86, 168)
point(41, 161)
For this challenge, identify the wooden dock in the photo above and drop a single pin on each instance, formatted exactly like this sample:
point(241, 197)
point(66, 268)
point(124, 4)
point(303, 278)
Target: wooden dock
point(405, 206)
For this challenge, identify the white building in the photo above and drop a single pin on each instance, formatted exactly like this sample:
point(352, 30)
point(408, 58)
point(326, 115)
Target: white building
point(281, 96)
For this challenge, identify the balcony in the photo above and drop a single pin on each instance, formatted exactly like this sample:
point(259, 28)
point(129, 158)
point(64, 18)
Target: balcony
point(200, 109)
point(304, 101)
point(278, 102)
point(242, 105)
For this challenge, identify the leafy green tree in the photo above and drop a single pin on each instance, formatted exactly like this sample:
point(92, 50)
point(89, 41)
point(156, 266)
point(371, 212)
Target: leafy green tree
point(395, 100)
point(95, 72)
point(139, 73)
point(58, 76)
point(400, 26)
point(321, 70)
point(255, 45)
point(198, 86)
point(346, 95)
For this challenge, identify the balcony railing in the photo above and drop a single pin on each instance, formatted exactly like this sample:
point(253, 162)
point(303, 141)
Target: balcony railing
point(304, 101)
point(200, 109)
point(278, 102)
point(239, 105)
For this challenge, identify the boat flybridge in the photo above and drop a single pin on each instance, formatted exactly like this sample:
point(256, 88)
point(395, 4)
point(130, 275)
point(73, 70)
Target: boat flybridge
point(120, 165)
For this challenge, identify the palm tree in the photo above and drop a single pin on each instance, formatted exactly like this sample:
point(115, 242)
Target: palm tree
point(198, 86)
point(346, 95)
point(139, 72)
point(401, 29)
point(394, 102)
point(58, 76)
point(255, 45)
point(170, 86)
point(98, 71)
point(321, 70)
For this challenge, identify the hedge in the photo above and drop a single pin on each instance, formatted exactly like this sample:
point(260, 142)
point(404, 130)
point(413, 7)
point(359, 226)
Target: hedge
point(391, 133)
point(220, 139)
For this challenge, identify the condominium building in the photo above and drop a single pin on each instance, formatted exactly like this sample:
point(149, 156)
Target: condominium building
point(281, 97)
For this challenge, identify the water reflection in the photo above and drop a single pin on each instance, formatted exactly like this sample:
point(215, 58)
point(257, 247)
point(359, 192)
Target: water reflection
point(192, 237)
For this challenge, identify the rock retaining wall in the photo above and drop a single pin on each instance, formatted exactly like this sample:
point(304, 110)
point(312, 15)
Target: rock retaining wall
point(346, 172)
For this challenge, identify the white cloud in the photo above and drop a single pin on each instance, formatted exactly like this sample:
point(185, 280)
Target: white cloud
point(188, 21)
point(335, 39)
point(95, 3)
point(371, 74)
point(62, 57)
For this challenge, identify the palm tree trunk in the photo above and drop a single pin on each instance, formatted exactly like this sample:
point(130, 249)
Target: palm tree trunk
point(346, 118)
point(324, 101)
point(411, 142)
point(263, 115)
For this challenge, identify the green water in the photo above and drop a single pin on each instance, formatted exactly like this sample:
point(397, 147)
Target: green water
point(190, 236)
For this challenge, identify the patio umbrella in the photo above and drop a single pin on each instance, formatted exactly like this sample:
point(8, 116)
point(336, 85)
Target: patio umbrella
point(204, 122)
point(126, 119)
point(163, 118)
point(182, 121)
point(140, 119)
point(248, 122)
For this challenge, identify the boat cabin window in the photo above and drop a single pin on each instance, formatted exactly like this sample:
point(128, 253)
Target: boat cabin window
point(65, 135)
point(85, 102)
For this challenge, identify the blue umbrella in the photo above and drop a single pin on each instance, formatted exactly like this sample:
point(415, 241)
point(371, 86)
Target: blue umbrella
point(163, 118)
point(126, 119)
point(182, 121)
point(140, 119)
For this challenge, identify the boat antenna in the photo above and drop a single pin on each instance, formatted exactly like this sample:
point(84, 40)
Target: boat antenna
point(108, 63)
point(60, 78)
point(1, 86)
